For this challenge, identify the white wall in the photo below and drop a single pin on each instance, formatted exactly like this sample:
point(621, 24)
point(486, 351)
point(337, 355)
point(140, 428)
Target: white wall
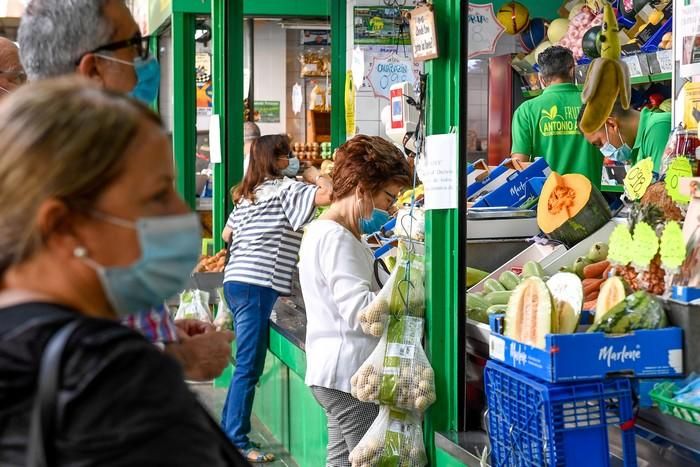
point(271, 71)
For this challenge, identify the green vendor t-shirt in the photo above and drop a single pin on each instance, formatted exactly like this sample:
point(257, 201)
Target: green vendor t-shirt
point(546, 126)
point(652, 137)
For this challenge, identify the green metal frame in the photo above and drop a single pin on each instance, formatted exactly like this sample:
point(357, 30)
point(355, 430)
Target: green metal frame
point(444, 234)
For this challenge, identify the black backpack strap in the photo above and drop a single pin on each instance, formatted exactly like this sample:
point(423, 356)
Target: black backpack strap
point(40, 449)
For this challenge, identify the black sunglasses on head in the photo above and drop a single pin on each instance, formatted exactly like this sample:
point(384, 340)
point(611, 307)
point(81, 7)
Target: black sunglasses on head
point(138, 42)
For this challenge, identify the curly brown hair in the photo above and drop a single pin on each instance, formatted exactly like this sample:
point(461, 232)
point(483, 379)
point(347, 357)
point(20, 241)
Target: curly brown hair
point(370, 162)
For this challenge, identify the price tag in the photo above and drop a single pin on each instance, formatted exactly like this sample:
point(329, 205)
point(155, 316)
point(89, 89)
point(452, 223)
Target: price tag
point(620, 245)
point(633, 65)
point(639, 178)
point(673, 248)
point(679, 168)
point(646, 245)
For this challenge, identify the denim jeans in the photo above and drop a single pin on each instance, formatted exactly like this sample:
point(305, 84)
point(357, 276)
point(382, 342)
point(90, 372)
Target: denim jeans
point(250, 306)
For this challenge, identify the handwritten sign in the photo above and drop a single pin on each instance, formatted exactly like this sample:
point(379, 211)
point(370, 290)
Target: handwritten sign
point(423, 33)
point(483, 29)
point(620, 245)
point(438, 171)
point(639, 178)
point(679, 168)
point(672, 246)
point(388, 70)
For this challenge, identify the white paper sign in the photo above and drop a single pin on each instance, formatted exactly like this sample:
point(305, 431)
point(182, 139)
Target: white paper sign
point(358, 67)
point(297, 98)
point(389, 70)
point(215, 139)
point(439, 172)
point(483, 30)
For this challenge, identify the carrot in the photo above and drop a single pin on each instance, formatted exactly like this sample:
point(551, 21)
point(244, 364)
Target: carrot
point(595, 270)
point(592, 296)
point(590, 305)
point(590, 285)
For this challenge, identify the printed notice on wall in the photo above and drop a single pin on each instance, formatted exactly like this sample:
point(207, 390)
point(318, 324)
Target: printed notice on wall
point(438, 171)
point(423, 33)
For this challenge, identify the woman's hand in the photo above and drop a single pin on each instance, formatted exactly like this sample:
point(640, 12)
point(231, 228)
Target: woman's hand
point(324, 184)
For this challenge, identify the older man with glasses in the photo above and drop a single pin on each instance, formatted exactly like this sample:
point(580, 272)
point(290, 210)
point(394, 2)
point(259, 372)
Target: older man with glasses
point(100, 40)
point(11, 72)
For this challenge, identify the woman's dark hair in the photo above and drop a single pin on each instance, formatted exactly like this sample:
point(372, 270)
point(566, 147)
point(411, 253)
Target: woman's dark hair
point(262, 166)
point(370, 162)
point(555, 62)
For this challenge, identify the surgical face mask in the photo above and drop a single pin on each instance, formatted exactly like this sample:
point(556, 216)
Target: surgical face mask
point(292, 169)
point(147, 77)
point(170, 247)
point(376, 221)
point(621, 154)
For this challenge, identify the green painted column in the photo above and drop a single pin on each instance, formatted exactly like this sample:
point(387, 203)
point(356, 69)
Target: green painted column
point(227, 21)
point(444, 234)
point(338, 69)
point(184, 105)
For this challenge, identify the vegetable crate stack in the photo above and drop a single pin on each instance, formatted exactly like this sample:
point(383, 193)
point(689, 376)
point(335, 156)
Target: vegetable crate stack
point(561, 345)
point(397, 375)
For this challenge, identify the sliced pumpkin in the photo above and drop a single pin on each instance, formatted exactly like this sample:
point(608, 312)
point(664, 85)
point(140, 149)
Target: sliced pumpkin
point(612, 292)
point(567, 294)
point(529, 314)
point(571, 208)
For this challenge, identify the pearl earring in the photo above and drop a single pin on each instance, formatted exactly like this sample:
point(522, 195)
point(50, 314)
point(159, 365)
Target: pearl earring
point(80, 252)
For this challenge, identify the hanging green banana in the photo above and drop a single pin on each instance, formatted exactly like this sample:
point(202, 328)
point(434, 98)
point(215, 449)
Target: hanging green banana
point(607, 79)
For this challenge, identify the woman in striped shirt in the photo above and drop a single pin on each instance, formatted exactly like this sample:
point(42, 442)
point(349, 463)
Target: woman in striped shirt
point(264, 231)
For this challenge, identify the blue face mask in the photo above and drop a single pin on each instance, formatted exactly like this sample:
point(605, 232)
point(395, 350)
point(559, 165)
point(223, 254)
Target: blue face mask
point(292, 169)
point(376, 221)
point(622, 154)
point(147, 77)
point(170, 247)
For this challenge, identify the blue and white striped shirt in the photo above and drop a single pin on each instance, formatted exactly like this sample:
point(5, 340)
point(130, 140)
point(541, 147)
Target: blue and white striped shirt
point(266, 234)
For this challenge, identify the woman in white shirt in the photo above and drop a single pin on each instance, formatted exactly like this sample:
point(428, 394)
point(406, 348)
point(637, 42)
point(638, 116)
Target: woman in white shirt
point(336, 274)
point(264, 230)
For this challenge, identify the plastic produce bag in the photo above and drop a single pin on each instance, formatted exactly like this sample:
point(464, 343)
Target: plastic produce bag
point(403, 294)
point(398, 372)
point(394, 439)
point(223, 320)
point(194, 304)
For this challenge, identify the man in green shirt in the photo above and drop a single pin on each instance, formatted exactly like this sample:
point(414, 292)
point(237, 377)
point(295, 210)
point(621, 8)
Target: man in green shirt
point(547, 126)
point(648, 131)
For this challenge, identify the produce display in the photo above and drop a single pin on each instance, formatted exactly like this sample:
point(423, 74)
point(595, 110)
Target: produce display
point(530, 313)
point(394, 439)
point(311, 151)
point(637, 311)
point(215, 263)
point(397, 373)
point(570, 208)
point(579, 24)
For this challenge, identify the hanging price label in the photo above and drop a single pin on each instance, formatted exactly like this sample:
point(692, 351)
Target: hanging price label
point(646, 245)
point(620, 245)
point(679, 168)
point(673, 248)
point(639, 178)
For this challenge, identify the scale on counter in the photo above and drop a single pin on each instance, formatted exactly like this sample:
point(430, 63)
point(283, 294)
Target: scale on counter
point(501, 223)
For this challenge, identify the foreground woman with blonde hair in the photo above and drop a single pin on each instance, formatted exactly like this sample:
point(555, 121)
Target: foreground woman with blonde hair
point(90, 229)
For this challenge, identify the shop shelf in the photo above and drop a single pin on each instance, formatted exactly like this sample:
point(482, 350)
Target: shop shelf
point(532, 423)
point(612, 189)
point(663, 393)
point(655, 78)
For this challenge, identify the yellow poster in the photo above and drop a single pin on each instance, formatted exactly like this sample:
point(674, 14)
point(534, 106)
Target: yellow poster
point(691, 113)
point(349, 105)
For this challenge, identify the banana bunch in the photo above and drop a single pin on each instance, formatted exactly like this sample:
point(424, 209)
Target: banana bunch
point(607, 78)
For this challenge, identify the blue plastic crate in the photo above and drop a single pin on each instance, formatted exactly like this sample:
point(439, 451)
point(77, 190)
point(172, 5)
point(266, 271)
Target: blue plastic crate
point(535, 424)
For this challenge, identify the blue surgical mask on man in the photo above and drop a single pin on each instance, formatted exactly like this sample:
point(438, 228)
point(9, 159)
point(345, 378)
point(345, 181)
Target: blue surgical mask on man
point(622, 154)
point(147, 77)
point(170, 247)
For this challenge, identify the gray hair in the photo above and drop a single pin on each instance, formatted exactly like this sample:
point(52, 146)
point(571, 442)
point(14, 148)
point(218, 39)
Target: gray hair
point(54, 34)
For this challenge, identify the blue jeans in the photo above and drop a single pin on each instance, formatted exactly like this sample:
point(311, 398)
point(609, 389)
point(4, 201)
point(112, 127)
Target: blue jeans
point(250, 306)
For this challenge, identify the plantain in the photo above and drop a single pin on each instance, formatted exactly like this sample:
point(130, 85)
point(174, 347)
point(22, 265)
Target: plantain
point(607, 78)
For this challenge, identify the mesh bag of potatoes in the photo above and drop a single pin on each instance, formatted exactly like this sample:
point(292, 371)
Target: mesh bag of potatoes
point(395, 439)
point(402, 294)
point(398, 372)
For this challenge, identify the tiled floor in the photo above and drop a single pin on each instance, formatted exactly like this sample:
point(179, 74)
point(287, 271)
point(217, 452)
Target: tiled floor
point(213, 399)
